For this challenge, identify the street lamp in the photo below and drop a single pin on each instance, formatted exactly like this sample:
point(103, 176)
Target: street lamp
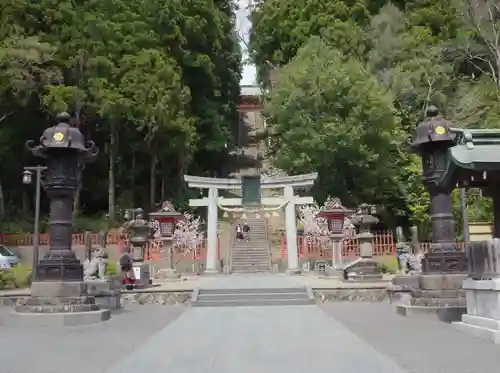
point(27, 176)
point(27, 179)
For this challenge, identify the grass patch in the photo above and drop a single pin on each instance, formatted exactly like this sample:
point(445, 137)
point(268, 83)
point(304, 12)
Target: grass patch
point(387, 264)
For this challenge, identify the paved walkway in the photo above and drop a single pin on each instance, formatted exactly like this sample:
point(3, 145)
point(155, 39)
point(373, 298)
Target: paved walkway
point(293, 339)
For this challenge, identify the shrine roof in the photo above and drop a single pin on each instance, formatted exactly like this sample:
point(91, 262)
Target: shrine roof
point(477, 149)
point(167, 210)
point(335, 205)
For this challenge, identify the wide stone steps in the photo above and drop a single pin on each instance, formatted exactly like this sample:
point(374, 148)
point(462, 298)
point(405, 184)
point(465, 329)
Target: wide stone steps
point(253, 255)
point(252, 297)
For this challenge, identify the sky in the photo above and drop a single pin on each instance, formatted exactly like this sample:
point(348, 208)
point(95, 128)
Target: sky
point(243, 26)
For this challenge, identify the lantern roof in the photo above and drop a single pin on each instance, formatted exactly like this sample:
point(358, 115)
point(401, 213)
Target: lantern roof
point(335, 206)
point(166, 210)
point(434, 130)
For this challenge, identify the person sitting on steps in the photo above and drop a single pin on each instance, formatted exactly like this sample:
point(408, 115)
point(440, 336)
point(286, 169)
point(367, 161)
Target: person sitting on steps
point(246, 231)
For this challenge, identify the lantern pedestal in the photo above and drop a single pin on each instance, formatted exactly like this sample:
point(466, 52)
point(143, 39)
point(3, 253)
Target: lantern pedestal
point(142, 275)
point(59, 303)
point(365, 268)
point(437, 294)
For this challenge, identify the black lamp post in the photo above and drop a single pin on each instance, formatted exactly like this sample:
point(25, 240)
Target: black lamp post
point(27, 179)
point(431, 141)
point(63, 148)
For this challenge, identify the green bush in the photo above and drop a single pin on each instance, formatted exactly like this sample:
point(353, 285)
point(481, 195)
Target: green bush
point(15, 277)
point(111, 271)
point(388, 264)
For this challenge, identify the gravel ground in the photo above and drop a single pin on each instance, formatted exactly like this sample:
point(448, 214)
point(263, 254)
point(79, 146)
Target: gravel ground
point(81, 349)
point(422, 345)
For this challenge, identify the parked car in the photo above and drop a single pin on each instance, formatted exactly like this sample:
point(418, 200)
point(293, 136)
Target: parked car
point(7, 256)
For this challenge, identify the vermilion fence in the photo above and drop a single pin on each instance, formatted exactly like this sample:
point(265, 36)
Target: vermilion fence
point(383, 244)
point(153, 250)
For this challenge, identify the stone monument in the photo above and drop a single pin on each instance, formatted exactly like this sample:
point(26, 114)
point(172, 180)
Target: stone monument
point(364, 268)
point(482, 292)
point(58, 292)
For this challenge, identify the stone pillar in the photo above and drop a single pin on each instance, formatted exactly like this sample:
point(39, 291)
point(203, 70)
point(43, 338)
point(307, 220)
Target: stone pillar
point(211, 264)
point(60, 262)
point(444, 255)
point(443, 225)
point(291, 232)
point(415, 242)
point(496, 214)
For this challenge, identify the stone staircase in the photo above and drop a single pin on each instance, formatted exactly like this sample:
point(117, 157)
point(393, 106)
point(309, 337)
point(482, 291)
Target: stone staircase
point(253, 255)
point(252, 297)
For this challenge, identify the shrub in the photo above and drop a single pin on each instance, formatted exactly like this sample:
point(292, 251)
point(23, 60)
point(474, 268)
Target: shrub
point(15, 277)
point(111, 271)
point(388, 264)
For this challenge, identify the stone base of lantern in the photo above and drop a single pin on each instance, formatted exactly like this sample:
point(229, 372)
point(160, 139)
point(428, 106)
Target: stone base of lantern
point(59, 303)
point(142, 275)
point(59, 266)
point(362, 270)
point(439, 295)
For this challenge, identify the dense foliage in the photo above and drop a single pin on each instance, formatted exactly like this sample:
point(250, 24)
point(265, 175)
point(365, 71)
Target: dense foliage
point(352, 78)
point(154, 84)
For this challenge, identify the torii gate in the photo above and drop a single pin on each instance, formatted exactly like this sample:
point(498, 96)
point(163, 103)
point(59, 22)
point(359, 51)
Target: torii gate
point(213, 201)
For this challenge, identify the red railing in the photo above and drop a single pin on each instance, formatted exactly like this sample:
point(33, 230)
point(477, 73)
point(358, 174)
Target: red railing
point(383, 244)
point(26, 239)
point(154, 251)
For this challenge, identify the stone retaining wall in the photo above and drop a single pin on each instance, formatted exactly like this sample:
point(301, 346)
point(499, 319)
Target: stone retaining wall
point(184, 297)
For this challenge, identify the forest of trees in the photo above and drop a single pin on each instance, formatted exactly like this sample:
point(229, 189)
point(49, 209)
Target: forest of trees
point(154, 83)
point(351, 79)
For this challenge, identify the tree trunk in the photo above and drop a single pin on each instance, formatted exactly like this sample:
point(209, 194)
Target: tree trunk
point(76, 201)
point(163, 186)
point(180, 174)
point(152, 181)
point(112, 171)
point(132, 179)
point(2, 202)
point(25, 202)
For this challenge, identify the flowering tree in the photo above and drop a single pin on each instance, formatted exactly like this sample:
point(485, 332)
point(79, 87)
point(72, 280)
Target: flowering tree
point(315, 227)
point(187, 234)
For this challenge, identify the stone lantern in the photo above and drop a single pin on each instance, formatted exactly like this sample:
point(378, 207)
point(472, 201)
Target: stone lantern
point(432, 140)
point(364, 268)
point(58, 290)
point(139, 234)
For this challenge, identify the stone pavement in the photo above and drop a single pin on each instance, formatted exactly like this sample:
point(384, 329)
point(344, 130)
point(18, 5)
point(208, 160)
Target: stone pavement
point(420, 345)
point(340, 337)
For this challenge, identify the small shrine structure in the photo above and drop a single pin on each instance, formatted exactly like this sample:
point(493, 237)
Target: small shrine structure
point(335, 213)
point(167, 218)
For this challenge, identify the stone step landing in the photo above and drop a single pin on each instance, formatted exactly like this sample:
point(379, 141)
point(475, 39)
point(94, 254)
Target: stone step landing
point(252, 297)
point(481, 327)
